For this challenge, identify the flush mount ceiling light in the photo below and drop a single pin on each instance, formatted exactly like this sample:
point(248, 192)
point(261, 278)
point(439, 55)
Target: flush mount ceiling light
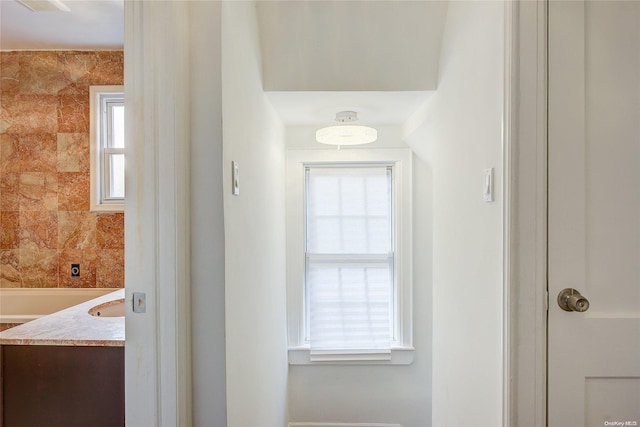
point(45, 5)
point(346, 134)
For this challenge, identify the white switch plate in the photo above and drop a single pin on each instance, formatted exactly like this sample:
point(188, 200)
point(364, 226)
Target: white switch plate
point(487, 185)
point(235, 178)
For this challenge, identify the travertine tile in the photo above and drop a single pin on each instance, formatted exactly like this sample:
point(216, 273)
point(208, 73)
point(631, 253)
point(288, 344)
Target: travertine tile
point(39, 73)
point(109, 69)
point(38, 230)
point(10, 276)
point(38, 152)
point(39, 267)
point(110, 231)
point(110, 268)
point(44, 170)
point(28, 153)
point(87, 260)
point(76, 230)
point(73, 191)
point(38, 191)
point(5, 118)
point(73, 113)
point(9, 153)
point(9, 69)
point(83, 69)
point(75, 67)
point(24, 114)
point(9, 191)
point(9, 229)
point(73, 152)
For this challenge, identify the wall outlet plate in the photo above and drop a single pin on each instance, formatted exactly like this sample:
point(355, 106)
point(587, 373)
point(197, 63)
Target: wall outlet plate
point(75, 270)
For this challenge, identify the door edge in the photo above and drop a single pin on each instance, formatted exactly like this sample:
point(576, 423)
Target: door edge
point(525, 291)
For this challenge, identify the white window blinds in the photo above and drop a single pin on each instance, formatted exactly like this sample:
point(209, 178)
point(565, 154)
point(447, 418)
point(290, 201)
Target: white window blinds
point(350, 258)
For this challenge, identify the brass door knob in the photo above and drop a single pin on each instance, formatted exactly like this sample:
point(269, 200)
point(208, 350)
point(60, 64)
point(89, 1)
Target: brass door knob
point(571, 300)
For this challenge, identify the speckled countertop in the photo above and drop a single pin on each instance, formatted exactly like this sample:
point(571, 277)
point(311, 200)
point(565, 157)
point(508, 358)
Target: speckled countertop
point(73, 326)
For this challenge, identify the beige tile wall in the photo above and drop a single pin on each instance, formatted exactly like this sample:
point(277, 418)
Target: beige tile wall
point(45, 223)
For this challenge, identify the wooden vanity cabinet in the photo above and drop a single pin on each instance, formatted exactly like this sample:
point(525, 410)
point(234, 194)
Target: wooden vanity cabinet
point(61, 386)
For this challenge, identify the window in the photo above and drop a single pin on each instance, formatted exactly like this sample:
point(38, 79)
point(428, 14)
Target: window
point(349, 256)
point(107, 148)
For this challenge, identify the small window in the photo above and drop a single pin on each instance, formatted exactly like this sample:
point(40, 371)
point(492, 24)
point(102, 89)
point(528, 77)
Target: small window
point(349, 273)
point(107, 148)
point(350, 257)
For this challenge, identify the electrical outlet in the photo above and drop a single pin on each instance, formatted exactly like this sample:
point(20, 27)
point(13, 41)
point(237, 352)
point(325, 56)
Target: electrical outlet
point(75, 270)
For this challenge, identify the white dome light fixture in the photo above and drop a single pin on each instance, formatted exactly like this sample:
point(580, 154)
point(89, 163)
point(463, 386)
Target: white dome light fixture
point(346, 134)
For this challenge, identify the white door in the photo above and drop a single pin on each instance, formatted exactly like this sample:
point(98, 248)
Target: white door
point(594, 212)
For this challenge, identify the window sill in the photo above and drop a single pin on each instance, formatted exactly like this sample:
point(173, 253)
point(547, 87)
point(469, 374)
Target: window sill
point(107, 207)
point(398, 356)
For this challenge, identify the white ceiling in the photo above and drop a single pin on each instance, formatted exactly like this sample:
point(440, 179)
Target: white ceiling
point(378, 58)
point(407, 32)
point(335, 45)
point(90, 24)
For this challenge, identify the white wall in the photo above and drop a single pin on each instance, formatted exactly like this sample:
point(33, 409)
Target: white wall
point(337, 45)
point(255, 295)
point(207, 225)
point(376, 394)
point(465, 136)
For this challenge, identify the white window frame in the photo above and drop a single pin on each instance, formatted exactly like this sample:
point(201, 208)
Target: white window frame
point(99, 133)
point(402, 344)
